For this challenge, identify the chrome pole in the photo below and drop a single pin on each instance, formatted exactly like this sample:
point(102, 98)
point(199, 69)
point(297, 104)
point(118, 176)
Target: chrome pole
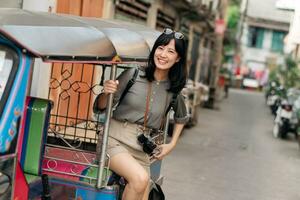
point(106, 129)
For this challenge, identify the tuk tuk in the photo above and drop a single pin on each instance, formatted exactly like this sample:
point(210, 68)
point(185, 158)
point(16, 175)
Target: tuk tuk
point(51, 69)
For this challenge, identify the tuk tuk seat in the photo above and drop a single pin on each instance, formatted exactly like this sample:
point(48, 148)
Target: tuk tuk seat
point(35, 126)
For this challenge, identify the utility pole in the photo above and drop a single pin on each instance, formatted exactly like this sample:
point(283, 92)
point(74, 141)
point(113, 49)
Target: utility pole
point(218, 54)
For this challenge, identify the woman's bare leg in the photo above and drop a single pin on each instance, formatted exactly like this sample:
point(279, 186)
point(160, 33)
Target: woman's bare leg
point(137, 177)
point(146, 193)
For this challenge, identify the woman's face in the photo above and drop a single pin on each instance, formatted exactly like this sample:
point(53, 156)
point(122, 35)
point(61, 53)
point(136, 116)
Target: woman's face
point(166, 56)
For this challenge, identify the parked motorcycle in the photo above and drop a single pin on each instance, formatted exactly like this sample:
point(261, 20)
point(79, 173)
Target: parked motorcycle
point(270, 87)
point(286, 121)
point(275, 97)
point(273, 101)
point(296, 109)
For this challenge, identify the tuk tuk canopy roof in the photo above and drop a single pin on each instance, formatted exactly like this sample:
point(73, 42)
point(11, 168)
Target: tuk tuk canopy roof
point(73, 38)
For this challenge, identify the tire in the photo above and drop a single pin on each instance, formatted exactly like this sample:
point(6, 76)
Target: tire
point(276, 130)
point(283, 131)
point(274, 109)
point(298, 141)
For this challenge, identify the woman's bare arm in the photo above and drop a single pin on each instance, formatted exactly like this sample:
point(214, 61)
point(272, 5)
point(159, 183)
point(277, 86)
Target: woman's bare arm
point(109, 87)
point(176, 133)
point(165, 149)
point(102, 101)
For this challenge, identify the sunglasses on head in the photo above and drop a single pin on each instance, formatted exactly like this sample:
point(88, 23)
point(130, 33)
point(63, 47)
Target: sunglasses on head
point(177, 35)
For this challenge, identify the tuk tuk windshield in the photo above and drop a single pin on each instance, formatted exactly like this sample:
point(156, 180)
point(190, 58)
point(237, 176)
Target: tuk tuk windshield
point(8, 67)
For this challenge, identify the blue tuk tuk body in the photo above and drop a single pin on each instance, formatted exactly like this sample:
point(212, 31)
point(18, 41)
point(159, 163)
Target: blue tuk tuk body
point(40, 136)
point(15, 71)
point(13, 96)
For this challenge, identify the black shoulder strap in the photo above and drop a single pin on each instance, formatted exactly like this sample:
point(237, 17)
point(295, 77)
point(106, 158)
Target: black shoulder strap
point(129, 85)
point(174, 97)
point(103, 74)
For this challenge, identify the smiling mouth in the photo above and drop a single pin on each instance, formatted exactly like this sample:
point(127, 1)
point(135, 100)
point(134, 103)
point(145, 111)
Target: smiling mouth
point(162, 62)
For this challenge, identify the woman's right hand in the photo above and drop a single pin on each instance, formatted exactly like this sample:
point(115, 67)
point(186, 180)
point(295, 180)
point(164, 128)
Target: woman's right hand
point(110, 86)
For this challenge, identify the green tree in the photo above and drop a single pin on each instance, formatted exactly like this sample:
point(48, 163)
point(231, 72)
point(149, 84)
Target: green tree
point(289, 73)
point(235, 2)
point(232, 19)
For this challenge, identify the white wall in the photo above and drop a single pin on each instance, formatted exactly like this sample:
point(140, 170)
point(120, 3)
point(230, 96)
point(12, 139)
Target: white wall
point(41, 70)
point(40, 5)
point(40, 79)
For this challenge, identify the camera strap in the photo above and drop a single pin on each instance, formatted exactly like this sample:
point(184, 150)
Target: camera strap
point(147, 105)
point(129, 85)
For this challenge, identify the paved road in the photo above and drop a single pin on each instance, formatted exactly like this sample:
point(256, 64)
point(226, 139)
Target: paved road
point(231, 155)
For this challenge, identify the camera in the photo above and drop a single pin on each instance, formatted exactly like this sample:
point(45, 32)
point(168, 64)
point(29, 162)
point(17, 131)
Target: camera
point(148, 146)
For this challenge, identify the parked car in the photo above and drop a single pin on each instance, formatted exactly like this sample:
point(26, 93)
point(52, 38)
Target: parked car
point(251, 83)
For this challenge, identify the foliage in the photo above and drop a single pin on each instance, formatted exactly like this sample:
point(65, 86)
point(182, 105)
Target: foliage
point(291, 74)
point(273, 76)
point(235, 2)
point(232, 26)
point(233, 17)
point(291, 63)
point(224, 71)
point(288, 74)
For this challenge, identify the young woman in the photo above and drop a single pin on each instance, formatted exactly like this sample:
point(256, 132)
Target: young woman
point(143, 110)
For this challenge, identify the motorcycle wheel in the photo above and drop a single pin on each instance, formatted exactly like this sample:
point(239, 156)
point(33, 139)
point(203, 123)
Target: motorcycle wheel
point(276, 130)
point(283, 131)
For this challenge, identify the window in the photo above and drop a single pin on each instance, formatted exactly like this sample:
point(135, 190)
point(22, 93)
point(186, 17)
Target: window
point(277, 41)
point(255, 37)
point(164, 20)
point(134, 11)
point(8, 69)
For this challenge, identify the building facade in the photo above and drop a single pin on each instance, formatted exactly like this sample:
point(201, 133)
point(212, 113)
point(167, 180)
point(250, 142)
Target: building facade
point(263, 30)
point(194, 18)
point(292, 40)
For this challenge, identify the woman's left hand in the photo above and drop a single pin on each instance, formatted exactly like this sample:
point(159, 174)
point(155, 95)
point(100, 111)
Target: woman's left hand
point(163, 150)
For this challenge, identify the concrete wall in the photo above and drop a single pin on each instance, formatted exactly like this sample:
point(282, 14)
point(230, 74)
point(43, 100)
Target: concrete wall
point(109, 9)
point(10, 3)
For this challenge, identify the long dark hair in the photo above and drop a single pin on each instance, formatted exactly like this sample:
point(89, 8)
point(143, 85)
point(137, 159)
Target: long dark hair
point(177, 73)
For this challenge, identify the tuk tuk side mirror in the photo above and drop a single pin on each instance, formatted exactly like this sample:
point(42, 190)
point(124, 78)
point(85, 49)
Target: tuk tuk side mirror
point(5, 183)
